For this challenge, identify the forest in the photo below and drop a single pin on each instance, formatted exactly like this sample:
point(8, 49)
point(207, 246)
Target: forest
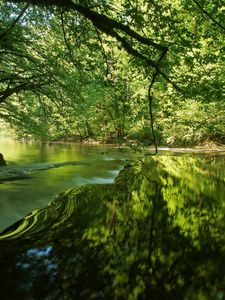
point(113, 71)
point(84, 84)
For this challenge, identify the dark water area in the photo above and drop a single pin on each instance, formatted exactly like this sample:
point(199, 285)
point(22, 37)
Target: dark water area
point(157, 232)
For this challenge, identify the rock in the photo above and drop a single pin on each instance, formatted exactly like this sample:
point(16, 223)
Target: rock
point(2, 160)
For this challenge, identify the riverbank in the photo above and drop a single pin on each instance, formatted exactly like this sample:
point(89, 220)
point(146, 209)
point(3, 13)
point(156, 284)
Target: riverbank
point(141, 147)
point(134, 145)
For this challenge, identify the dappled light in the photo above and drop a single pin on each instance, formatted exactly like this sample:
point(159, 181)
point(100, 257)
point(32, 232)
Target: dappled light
point(112, 151)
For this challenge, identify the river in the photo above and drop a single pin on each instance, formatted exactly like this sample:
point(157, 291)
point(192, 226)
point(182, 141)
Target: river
point(156, 233)
point(20, 197)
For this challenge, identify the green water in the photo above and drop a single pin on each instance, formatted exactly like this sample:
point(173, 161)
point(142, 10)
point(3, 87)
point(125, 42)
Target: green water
point(156, 233)
point(20, 197)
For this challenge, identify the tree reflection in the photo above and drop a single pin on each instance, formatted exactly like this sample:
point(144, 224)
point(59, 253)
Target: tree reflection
point(157, 233)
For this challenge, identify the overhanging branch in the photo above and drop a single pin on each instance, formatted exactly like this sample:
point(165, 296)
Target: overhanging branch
point(208, 15)
point(14, 22)
point(22, 87)
point(111, 27)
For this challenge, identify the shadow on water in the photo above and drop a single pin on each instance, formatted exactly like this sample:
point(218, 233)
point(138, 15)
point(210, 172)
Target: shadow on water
point(156, 233)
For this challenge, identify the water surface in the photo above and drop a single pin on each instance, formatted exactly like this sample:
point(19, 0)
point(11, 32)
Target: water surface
point(156, 233)
point(20, 197)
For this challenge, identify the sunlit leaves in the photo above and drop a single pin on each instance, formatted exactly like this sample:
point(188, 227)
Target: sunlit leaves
point(102, 89)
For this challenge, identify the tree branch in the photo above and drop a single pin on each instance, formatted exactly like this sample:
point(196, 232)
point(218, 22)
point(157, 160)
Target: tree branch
point(67, 42)
point(103, 51)
point(108, 26)
point(101, 21)
point(148, 61)
point(14, 22)
point(22, 87)
point(208, 15)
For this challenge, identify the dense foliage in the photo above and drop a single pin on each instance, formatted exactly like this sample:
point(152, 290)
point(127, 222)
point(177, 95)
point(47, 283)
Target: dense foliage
point(73, 70)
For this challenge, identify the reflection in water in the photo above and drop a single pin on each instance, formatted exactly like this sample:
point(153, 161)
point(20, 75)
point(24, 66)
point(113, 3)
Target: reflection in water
point(18, 198)
point(157, 233)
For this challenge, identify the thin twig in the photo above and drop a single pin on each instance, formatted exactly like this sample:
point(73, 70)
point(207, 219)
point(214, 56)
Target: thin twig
point(67, 42)
point(103, 51)
point(208, 15)
point(150, 98)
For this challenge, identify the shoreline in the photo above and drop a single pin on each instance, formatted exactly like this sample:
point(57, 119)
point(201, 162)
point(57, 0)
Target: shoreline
point(133, 145)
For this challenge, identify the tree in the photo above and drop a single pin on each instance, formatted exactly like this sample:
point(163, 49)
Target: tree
point(176, 46)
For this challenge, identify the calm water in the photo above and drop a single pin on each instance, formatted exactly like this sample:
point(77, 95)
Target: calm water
point(20, 197)
point(157, 233)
